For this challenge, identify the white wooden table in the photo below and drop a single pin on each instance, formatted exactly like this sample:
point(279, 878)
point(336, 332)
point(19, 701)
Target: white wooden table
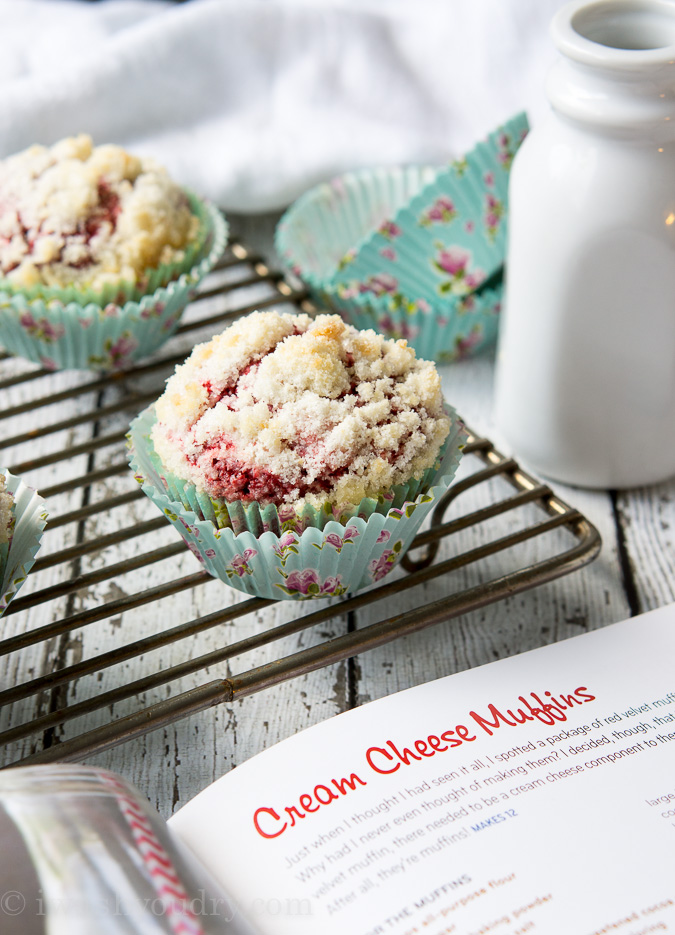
point(633, 573)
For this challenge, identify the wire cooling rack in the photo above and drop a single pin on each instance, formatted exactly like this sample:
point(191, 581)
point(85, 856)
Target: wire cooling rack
point(64, 433)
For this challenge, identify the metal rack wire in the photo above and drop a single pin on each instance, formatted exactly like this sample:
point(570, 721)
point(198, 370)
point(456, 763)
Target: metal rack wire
point(72, 458)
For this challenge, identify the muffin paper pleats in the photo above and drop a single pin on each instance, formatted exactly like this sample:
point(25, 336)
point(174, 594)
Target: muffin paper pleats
point(277, 553)
point(28, 522)
point(415, 253)
point(108, 330)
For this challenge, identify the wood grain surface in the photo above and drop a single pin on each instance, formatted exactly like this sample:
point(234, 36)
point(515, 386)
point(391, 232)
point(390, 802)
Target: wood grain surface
point(634, 572)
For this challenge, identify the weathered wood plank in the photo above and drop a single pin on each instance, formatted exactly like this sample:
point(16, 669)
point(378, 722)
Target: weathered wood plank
point(18, 667)
point(647, 517)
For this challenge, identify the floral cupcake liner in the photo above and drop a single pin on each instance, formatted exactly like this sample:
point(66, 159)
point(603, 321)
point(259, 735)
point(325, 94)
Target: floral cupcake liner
point(443, 331)
point(416, 253)
point(28, 522)
point(93, 333)
point(451, 237)
point(275, 554)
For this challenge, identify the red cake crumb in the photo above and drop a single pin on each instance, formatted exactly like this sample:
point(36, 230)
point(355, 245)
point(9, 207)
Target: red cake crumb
point(75, 214)
point(282, 409)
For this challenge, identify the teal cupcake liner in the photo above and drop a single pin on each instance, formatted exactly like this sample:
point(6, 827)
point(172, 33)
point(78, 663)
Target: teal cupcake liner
point(415, 253)
point(443, 332)
point(29, 519)
point(88, 335)
point(451, 237)
point(275, 554)
point(325, 226)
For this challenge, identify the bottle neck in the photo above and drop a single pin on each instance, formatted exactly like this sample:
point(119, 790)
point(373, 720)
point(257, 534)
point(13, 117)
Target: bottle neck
point(616, 73)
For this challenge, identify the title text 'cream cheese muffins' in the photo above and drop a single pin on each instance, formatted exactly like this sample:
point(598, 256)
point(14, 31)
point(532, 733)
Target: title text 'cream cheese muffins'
point(298, 457)
point(100, 251)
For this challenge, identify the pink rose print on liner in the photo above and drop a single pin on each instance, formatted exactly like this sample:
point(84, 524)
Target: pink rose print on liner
point(336, 541)
point(42, 328)
point(197, 553)
point(389, 229)
point(388, 253)
point(494, 211)
point(384, 536)
point(455, 261)
point(110, 311)
point(467, 304)
point(191, 529)
point(379, 284)
point(460, 166)
point(379, 567)
point(505, 151)
point(442, 211)
point(396, 329)
point(170, 321)
point(469, 227)
point(285, 513)
point(347, 292)
point(85, 322)
point(153, 311)
point(117, 354)
point(48, 363)
point(347, 258)
point(290, 521)
point(331, 510)
point(306, 584)
point(489, 179)
point(286, 546)
point(239, 566)
point(464, 345)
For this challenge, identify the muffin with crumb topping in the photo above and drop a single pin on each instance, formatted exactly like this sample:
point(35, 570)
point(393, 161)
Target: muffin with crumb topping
point(304, 450)
point(6, 502)
point(285, 410)
point(22, 522)
point(99, 253)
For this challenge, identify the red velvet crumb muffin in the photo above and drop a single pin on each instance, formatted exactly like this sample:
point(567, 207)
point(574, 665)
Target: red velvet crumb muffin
point(78, 215)
point(283, 409)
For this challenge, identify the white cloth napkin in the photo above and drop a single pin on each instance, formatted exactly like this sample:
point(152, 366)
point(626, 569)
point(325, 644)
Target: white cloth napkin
point(250, 102)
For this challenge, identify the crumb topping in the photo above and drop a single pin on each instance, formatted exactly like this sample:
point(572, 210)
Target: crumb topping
point(281, 408)
point(75, 214)
point(6, 501)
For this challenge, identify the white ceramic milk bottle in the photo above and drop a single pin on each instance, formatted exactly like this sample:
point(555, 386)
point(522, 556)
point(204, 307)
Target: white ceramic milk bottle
point(585, 383)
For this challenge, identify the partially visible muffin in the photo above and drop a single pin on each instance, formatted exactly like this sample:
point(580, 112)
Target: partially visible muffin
point(284, 409)
point(5, 509)
point(100, 252)
point(6, 502)
point(77, 215)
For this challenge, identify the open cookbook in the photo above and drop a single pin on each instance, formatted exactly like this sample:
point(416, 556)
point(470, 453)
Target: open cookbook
point(534, 794)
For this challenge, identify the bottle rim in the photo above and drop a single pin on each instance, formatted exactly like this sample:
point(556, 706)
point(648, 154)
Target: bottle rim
point(622, 34)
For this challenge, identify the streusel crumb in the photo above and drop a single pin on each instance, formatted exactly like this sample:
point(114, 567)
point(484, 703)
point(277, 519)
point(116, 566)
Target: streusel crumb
point(283, 408)
point(77, 215)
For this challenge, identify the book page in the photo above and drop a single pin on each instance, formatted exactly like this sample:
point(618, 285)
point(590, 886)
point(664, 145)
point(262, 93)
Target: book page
point(532, 795)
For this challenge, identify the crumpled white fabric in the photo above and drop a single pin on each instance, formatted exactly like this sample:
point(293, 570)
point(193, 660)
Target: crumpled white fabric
point(250, 102)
